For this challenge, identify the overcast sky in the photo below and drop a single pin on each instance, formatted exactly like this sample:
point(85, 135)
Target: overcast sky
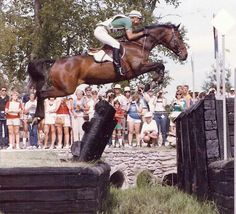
point(196, 16)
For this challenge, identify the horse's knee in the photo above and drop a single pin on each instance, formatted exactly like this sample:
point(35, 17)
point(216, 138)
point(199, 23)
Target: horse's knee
point(161, 73)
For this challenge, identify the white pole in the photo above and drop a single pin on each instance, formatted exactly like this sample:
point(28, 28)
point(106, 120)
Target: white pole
point(192, 65)
point(224, 99)
point(218, 79)
point(234, 144)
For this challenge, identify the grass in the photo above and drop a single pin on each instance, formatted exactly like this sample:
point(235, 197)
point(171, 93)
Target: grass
point(37, 158)
point(155, 200)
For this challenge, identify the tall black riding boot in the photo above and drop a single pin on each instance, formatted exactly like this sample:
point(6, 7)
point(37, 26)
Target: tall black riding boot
point(116, 61)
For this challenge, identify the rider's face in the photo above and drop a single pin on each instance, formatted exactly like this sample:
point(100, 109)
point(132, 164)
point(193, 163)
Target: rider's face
point(136, 20)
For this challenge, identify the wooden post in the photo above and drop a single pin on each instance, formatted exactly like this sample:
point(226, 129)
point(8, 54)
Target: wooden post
point(97, 133)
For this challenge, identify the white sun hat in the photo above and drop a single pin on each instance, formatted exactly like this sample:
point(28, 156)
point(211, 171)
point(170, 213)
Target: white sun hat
point(117, 86)
point(148, 114)
point(127, 88)
point(135, 13)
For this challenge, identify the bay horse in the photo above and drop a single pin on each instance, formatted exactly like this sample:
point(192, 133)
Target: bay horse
point(66, 73)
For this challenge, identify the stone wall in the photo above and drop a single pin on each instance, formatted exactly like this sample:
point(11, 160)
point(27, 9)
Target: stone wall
point(211, 129)
point(129, 162)
point(221, 185)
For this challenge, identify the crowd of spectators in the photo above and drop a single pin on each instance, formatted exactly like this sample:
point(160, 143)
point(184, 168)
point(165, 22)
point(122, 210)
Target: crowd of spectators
point(141, 113)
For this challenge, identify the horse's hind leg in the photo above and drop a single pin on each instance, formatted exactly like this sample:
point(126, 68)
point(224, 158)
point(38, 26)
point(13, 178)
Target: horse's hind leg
point(43, 94)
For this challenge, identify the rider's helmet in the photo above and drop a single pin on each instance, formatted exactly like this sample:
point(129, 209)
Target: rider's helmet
point(135, 13)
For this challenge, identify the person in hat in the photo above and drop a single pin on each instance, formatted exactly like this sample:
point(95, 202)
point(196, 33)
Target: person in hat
point(118, 22)
point(149, 131)
point(231, 93)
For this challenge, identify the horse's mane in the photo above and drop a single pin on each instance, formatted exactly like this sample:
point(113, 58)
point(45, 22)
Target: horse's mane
point(156, 26)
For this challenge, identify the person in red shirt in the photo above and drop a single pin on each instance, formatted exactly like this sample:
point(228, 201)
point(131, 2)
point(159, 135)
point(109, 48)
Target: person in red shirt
point(117, 133)
point(13, 110)
point(63, 123)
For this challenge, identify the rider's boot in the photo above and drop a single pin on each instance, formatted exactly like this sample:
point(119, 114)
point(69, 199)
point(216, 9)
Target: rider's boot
point(116, 61)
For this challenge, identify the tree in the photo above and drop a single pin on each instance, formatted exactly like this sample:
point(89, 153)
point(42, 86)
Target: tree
point(211, 80)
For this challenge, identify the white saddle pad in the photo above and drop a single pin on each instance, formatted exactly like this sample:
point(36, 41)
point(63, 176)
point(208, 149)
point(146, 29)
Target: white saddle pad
point(101, 56)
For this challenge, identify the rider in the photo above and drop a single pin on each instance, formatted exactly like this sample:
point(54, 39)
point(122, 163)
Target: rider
point(118, 22)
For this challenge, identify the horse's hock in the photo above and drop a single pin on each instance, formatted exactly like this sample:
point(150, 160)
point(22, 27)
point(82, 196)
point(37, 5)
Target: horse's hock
point(51, 188)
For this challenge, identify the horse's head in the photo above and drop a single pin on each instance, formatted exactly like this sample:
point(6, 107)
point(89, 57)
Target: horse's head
point(170, 37)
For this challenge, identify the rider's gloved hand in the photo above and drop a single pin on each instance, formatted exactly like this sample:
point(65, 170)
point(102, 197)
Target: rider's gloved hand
point(146, 32)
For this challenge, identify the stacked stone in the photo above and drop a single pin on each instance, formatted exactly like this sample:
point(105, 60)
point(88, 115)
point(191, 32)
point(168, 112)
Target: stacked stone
point(131, 162)
point(212, 140)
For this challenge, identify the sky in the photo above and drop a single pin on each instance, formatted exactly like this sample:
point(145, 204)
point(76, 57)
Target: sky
point(196, 16)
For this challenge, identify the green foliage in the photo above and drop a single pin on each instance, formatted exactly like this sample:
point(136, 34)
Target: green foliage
point(153, 200)
point(144, 179)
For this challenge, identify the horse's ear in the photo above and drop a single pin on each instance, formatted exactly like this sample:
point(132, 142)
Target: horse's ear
point(178, 26)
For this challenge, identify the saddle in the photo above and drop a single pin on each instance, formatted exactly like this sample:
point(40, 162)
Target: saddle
point(104, 54)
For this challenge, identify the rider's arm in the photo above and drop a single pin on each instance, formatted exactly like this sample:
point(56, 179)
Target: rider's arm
point(131, 35)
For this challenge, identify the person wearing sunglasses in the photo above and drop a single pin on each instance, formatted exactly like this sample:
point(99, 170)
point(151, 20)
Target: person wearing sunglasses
point(4, 98)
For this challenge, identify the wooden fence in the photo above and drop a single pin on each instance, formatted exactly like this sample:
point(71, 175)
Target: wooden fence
point(200, 143)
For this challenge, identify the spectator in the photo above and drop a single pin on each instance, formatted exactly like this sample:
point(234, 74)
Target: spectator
point(178, 105)
point(134, 119)
point(63, 123)
point(161, 116)
point(77, 116)
point(29, 111)
point(90, 103)
point(13, 110)
point(151, 99)
point(127, 94)
point(117, 133)
point(120, 97)
point(25, 99)
point(110, 96)
point(94, 93)
point(149, 132)
point(231, 93)
point(143, 101)
point(4, 98)
point(49, 122)
point(187, 96)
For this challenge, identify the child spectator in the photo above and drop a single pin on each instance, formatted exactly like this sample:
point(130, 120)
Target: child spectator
point(117, 133)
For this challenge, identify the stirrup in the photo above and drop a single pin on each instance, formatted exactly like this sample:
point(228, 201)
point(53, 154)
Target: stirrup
point(119, 70)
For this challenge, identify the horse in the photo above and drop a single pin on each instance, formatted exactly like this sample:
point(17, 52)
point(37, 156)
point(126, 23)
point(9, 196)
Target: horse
point(58, 78)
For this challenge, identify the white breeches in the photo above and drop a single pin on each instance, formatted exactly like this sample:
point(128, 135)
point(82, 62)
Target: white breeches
point(103, 36)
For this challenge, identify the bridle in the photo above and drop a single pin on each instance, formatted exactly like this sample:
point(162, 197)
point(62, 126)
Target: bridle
point(173, 40)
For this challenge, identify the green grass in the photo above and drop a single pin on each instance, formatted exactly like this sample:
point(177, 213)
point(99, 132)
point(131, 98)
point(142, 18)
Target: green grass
point(155, 200)
point(37, 158)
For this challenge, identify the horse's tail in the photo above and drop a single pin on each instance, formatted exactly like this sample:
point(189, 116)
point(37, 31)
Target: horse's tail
point(37, 72)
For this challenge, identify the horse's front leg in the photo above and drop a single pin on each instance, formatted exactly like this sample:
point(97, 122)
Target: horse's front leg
point(159, 68)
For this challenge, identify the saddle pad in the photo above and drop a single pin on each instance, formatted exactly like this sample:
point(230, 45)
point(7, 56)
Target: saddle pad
point(100, 56)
